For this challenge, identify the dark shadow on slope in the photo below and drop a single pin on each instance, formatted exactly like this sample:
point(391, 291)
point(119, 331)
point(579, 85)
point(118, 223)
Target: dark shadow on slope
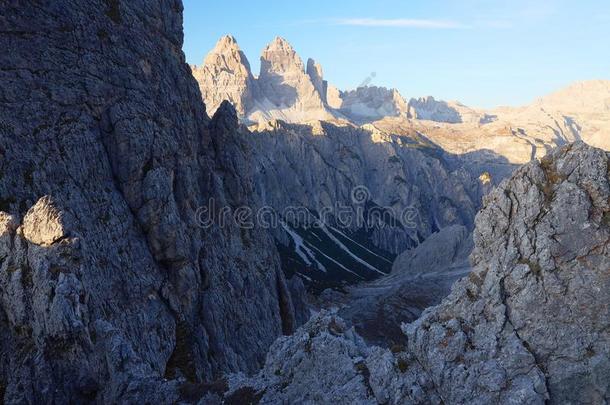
point(273, 87)
point(299, 167)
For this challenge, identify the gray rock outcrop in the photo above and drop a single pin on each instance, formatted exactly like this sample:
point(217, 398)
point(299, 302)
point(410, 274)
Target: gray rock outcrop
point(530, 324)
point(108, 281)
point(427, 108)
point(411, 181)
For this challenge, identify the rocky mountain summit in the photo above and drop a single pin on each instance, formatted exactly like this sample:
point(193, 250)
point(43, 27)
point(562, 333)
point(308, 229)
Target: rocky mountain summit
point(286, 89)
point(283, 79)
point(529, 324)
point(297, 94)
point(282, 90)
point(226, 75)
point(371, 103)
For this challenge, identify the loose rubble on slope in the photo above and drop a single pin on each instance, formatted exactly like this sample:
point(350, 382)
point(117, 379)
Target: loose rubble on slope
point(420, 278)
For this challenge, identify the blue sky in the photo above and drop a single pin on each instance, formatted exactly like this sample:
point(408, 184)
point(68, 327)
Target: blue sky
point(483, 53)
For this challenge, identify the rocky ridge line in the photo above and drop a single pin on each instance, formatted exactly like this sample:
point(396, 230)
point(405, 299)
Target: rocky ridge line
point(530, 324)
point(109, 283)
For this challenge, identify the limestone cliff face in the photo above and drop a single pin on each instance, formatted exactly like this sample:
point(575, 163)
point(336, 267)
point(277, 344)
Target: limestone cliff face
point(530, 324)
point(283, 79)
point(315, 73)
point(226, 75)
point(427, 108)
point(287, 90)
point(371, 103)
point(318, 167)
point(108, 282)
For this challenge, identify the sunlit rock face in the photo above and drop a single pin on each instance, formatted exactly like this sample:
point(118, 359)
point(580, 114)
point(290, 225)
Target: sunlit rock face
point(283, 79)
point(226, 75)
point(427, 108)
point(288, 90)
point(371, 103)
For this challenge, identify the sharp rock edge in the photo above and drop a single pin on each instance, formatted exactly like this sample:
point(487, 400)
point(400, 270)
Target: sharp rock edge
point(530, 324)
point(110, 290)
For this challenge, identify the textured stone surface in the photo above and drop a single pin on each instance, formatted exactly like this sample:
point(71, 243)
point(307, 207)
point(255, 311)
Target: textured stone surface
point(427, 108)
point(284, 88)
point(371, 103)
point(449, 247)
point(226, 75)
point(530, 324)
point(315, 73)
point(283, 79)
point(107, 281)
point(401, 173)
point(43, 224)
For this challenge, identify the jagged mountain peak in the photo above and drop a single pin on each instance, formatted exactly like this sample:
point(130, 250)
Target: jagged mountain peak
point(227, 55)
point(286, 88)
point(314, 67)
point(226, 42)
point(226, 75)
point(314, 70)
point(279, 43)
point(280, 56)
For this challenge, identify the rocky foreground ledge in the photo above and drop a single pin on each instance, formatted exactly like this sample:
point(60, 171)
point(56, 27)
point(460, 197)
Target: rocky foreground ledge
point(530, 324)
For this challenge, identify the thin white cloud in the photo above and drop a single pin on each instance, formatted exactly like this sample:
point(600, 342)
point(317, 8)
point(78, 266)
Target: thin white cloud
point(400, 23)
point(499, 24)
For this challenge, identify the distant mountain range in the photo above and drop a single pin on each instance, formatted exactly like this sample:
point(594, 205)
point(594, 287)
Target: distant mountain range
point(115, 289)
point(294, 92)
point(312, 143)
